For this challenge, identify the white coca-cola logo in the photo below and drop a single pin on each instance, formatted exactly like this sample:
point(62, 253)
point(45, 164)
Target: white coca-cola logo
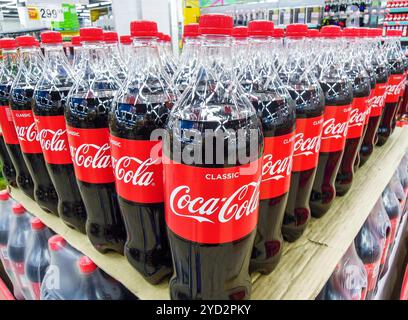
point(306, 147)
point(241, 203)
point(124, 171)
point(92, 156)
point(357, 118)
point(377, 101)
point(395, 89)
point(29, 133)
point(331, 129)
point(52, 140)
point(276, 170)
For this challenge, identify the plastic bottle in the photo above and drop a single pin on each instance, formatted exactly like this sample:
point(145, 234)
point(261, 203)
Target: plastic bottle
point(5, 218)
point(113, 55)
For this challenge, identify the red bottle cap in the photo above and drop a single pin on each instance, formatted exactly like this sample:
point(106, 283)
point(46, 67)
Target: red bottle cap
point(26, 41)
point(49, 37)
point(143, 28)
point(110, 36)
point(331, 32)
point(216, 24)
point(18, 209)
point(91, 34)
point(165, 37)
point(56, 243)
point(191, 30)
point(37, 224)
point(76, 41)
point(279, 33)
point(394, 33)
point(296, 30)
point(261, 28)
point(4, 195)
point(86, 265)
point(351, 32)
point(125, 40)
point(8, 43)
point(240, 32)
point(313, 33)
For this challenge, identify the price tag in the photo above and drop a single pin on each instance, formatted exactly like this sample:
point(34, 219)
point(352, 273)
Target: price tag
point(46, 12)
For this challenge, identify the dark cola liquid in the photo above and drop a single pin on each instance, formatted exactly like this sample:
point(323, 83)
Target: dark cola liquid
point(211, 271)
point(323, 190)
point(345, 175)
point(71, 208)
point(23, 177)
point(104, 225)
point(370, 136)
point(8, 170)
point(37, 260)
point(277, 118)
point(44, 191)
point(309, 104)
point(147, 247)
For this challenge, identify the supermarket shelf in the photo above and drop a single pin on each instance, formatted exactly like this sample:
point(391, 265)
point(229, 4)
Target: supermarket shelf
point(395, 23)
point(404, 39)
point(398, 10)
point(306, 264)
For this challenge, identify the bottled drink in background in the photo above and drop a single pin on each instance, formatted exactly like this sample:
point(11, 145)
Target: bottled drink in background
point(115, 61)
point(5, 218)
point(37, 257)
point(277, 47)
point(361, 84)
point(338, 98)
point(166, 54)
point(8, 73)
point(61, 280)
point(211, 248)
point(276, 110)
point(97, 285)
point(377, 101)
point(21, 101)
point(395, 84)
point(86, 115)
point(17, 250)
point(139, 108)
point(76, 57)
point(50, 98)
point(240, 49)
point(8, 170)
point(125, 49)
point(189, 56)
point(305, 89)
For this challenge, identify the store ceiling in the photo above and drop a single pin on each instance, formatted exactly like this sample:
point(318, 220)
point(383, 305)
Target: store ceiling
point(9, 7)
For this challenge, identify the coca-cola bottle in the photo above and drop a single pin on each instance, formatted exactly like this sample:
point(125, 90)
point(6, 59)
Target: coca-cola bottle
point(17, 250)
point(77, 57)
point(142, 106)
point(188, 60)
point(61, 280)
point(396, 82)
point(50, 96)
point(21, 101)
point(8, 170)
point(97, 285)
point(113, 55)
point(37, 257)
point(5, 218)
point(166, 54)
point(276, 110)
point(211, 229)
point(297, 74)
point(240, 49)
point(8, 72)
point(86, 115)
point(360, 81)
point(377, 101)
point(125, 49)
point(338, 98)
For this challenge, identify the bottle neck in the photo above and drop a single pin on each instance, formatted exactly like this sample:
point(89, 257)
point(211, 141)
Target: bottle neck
point(215, 52)
point(10, 62)
point(144, 53)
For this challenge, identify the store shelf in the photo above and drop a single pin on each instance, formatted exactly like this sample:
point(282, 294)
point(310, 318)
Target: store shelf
point(306, 264)
point(404, 39)
point(395, 23)
point(398, 10)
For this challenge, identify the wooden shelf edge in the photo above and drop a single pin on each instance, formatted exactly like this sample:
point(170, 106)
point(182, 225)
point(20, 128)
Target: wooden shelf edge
point(306, 264)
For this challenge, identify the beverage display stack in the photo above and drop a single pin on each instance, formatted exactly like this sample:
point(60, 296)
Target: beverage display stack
point(257, 156)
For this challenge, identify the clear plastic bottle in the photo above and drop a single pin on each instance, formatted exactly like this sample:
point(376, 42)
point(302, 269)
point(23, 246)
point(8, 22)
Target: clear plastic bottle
point(166, 54)
point(5, 217)
point(125, 49)
point(113, 55)
point(240, 48)
point(77, 47)
point(86, 116)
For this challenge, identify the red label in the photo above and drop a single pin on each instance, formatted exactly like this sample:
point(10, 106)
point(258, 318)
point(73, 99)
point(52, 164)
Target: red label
point(7, 126)
point(357, 118)
point(211, 205)
point(27, 131)
point(394, 228)
point(53, 139)
point(90, 153)
point(385, 250)
point(372, 270)
point(335, 126)
point(307, 143)
point(138, 169)
point(377, 102)
point(277, 165)
point(395, 86)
